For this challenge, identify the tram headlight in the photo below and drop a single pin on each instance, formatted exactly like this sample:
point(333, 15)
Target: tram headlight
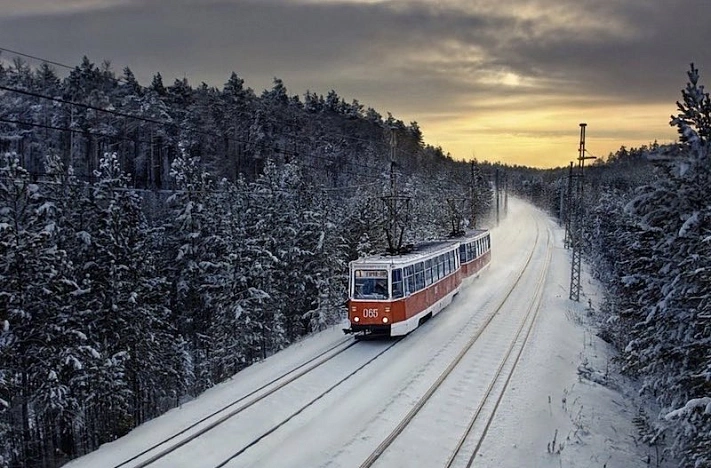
point(385, 320)
point(356, 319)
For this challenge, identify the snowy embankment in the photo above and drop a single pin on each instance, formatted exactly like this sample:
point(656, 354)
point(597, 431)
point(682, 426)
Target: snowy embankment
point(566, 406)
point(563, 406)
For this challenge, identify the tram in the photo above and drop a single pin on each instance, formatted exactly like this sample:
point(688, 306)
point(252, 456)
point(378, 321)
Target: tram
point(391, 295)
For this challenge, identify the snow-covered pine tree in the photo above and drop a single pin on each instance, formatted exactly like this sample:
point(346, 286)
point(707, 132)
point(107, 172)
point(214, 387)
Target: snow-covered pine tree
point(689, 389)
point(236, 101)
point(40, 338)
point(271, 211)
point(326, 278)
point(225, 286)
point(122, 302)
point(672, 341)
point(153, 362)
point(194, 248)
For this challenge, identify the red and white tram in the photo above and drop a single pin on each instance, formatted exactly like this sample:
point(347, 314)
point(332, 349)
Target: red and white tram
point(393, 295)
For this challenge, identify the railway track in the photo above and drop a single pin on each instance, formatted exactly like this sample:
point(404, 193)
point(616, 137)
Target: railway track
point(474, 434)
point(211, 421)
point(504, 373)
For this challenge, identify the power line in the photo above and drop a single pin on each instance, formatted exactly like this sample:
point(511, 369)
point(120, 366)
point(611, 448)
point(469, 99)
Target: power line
point(34, 57)
point(72, 130)
point(148, 142)
point(99, 109)
point(166, 124)
point(174, 125)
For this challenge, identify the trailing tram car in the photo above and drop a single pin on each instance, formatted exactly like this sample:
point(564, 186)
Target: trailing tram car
point(391, 295)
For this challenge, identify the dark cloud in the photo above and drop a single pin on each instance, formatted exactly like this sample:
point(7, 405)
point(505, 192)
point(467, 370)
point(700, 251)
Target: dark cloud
point(409, 57)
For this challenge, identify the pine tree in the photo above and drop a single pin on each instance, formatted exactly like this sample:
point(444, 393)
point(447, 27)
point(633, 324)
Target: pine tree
point(194, 248)
point(671, 341)
point(40, 340)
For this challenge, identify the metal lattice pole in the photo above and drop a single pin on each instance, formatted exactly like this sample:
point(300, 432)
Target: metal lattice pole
point(498, 197)
point(568, 207)
point(577, 225)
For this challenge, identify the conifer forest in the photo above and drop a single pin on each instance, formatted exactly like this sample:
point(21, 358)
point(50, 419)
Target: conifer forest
point(155, 240)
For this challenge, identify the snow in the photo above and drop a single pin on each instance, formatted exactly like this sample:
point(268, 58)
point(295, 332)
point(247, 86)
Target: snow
point(564, 405)
point(691, 405)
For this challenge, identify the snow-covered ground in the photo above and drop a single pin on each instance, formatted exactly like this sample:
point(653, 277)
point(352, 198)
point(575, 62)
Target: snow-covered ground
point(554, 412)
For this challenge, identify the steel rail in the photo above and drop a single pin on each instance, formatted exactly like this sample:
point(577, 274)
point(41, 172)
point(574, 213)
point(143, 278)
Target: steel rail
point(305, 368)
point(433, 388)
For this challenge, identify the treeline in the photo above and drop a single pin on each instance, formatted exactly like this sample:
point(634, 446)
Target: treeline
point(647, 236)
point(155, 241)
point(92, 111)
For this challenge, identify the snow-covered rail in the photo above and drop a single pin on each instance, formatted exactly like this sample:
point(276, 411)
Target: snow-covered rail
point(470, 437)
point(307, 405)
point(466, 352)
point(168, 445)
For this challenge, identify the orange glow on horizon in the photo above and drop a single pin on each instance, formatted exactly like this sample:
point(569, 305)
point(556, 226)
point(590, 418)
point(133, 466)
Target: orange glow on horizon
point(548, 137)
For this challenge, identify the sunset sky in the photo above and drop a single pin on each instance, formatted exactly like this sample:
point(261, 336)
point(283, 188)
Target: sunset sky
point(499, 80)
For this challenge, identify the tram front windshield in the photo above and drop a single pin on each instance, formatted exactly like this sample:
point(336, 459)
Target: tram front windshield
point(370, 284)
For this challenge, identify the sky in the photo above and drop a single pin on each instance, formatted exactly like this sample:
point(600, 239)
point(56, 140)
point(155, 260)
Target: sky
point(496, 80)
point(564, 405)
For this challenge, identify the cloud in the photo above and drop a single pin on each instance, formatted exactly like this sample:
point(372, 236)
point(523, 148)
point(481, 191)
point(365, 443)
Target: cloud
point(449, 61)
point(15, 8)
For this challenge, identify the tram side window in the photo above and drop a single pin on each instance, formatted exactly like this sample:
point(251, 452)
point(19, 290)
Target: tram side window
point(409, 280)
point(419, 276)
point(440, 268)
point(428, 272)
point(397, 283)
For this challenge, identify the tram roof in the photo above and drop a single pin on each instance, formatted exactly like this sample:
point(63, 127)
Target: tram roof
point(420, 251)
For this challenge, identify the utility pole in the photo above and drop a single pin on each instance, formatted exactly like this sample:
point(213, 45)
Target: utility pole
point(498, 197)
point(578, 229)
point(506, 194)
point(395, 205)
point(568, 207)
point(472, 205)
